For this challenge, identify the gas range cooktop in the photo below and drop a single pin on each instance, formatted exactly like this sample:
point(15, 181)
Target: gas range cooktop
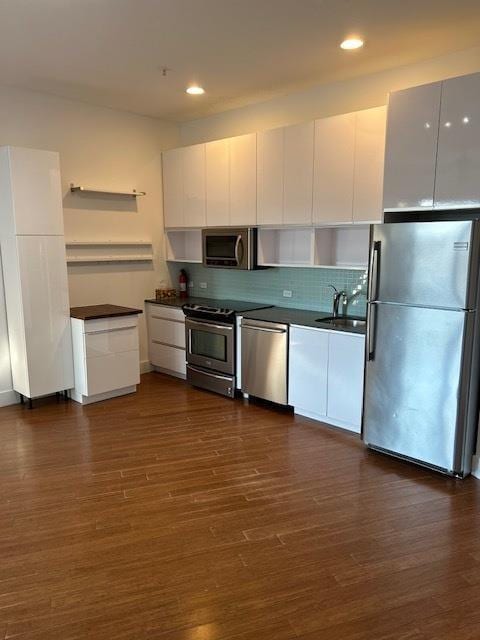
point(221, 309)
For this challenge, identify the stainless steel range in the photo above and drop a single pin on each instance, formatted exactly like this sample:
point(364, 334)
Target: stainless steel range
point(211, 343)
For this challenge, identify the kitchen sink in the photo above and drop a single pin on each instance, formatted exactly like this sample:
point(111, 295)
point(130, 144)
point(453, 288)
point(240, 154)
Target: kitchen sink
point(346, 323)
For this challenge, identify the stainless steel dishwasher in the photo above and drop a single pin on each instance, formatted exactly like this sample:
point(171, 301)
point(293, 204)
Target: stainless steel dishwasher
point(265, 360)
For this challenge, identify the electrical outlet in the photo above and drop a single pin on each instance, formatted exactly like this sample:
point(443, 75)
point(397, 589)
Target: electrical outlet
point(203, 285)
point(287, 293)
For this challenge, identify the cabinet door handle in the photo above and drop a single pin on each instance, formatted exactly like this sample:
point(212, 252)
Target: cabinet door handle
point(91, 333)
point(167, 319)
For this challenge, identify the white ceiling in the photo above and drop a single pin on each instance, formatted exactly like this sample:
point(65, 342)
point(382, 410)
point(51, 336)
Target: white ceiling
point(110, 52)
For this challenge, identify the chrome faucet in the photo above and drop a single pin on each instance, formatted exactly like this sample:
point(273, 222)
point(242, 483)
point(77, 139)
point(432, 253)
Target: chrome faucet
point(337, 297)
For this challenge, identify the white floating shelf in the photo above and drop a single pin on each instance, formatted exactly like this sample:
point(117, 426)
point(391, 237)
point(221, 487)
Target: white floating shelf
point(108, 243)
point(139, 258)
point(105, 192)
point(184, 260)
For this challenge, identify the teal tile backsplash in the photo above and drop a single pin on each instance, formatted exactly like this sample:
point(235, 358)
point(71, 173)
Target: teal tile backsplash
point(309, 286)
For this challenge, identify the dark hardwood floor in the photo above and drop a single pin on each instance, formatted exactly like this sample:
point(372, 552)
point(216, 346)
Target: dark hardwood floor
point(176, 514)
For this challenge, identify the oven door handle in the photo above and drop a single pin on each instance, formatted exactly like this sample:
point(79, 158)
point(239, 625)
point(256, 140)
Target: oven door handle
point(205, 325)
point(208, 373)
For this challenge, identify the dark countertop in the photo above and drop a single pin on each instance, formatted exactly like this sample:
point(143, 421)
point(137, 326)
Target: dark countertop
point(303, 317)
point(97, 311)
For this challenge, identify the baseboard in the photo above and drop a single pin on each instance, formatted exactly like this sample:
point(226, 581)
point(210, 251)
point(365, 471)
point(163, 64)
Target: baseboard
point(476, 466)
point(99, 397)
point(9, 397)
point(145, 366)
point(327, 420)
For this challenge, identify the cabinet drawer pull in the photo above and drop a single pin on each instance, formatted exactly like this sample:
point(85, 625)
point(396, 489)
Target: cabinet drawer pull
point(167, 319)
point(112, 330)
point(166, 344)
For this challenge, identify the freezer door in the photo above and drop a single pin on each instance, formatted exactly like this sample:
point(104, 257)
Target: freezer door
point(413, 389)
point(424, 263)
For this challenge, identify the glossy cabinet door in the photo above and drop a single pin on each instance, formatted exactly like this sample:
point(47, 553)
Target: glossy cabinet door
point(194, 210)
point(46, 314)
point(370, 129)
point(36, 191)
point(411, 147)
point(270, 176)
point(243, 180)
point(172, 166)
point(457, 182)
point(333, 169)
point(217, 183)
point(346, 357)
point(298, 173)
point(308, 364)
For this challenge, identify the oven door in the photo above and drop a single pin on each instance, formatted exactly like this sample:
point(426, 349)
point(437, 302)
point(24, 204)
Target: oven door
point(211, 345)
point(228, 248)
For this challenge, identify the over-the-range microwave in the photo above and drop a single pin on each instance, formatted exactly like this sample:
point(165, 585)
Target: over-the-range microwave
point(230, 248)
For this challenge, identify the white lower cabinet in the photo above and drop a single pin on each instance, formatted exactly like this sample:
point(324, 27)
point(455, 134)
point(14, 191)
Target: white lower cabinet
point(106, 358)
point(166, 339)
point(326, 376)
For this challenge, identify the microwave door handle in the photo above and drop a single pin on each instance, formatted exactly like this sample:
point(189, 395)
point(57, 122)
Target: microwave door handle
point(239, 250)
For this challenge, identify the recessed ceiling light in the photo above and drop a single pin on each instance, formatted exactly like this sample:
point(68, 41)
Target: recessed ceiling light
point(352, 43)
point(195, 90)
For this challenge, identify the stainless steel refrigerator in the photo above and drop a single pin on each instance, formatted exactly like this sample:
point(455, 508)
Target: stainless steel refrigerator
point(422, 364)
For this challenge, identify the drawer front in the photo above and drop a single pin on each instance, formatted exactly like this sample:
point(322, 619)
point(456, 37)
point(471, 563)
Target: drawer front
point(102, 343)
point(171, 332)
point(170, 358)
point(104, 324)
point(164, 312)
point(113, 371)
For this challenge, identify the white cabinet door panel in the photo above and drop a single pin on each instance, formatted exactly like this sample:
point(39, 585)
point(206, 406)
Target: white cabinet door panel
point(298, 174)
point(194, 213)
point(46, 313)
point(167, 331)
point(346, 355)
point(111, 341)
point(37, 192)
point(333, 169)
point(112, 372)
point(411, 147)
point(217, 183)
point(243, 180)
point(172, 165)
point(308, 364)
point(369, 160)
point(457, 182)
point(270, 176)
point(169, 358)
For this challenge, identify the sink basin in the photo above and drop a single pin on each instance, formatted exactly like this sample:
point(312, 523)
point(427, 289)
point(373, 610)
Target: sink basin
point(347, 323)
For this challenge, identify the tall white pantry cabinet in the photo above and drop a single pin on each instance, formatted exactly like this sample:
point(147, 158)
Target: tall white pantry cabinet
point(35, 271)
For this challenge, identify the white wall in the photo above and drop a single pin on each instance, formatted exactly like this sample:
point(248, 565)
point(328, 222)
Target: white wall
point(324, 100)
point(108, 149)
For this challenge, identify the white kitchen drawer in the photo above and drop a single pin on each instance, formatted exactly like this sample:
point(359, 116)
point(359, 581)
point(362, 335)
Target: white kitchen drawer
point(169, 358)
point(163, 312)
point(167, 331)
point(110, 341)
point(105, 324)
point(111, 372)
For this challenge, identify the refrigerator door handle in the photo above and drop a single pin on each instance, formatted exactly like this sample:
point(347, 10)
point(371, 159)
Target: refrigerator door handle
point(371, 318)
point(374, 271)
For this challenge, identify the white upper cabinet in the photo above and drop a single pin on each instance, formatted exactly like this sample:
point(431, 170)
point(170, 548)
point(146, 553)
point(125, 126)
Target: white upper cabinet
point(184, 187)
point(411, 147)
point(298, 173)
point(270, 173)
point(217, 182)
point(285, 175)
point(231, 181)
point(369, 159)
point(194, 210)
point(457, 182)
point(172, 164)
point(333, 169)
point(36, 191)
point(243, 180)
